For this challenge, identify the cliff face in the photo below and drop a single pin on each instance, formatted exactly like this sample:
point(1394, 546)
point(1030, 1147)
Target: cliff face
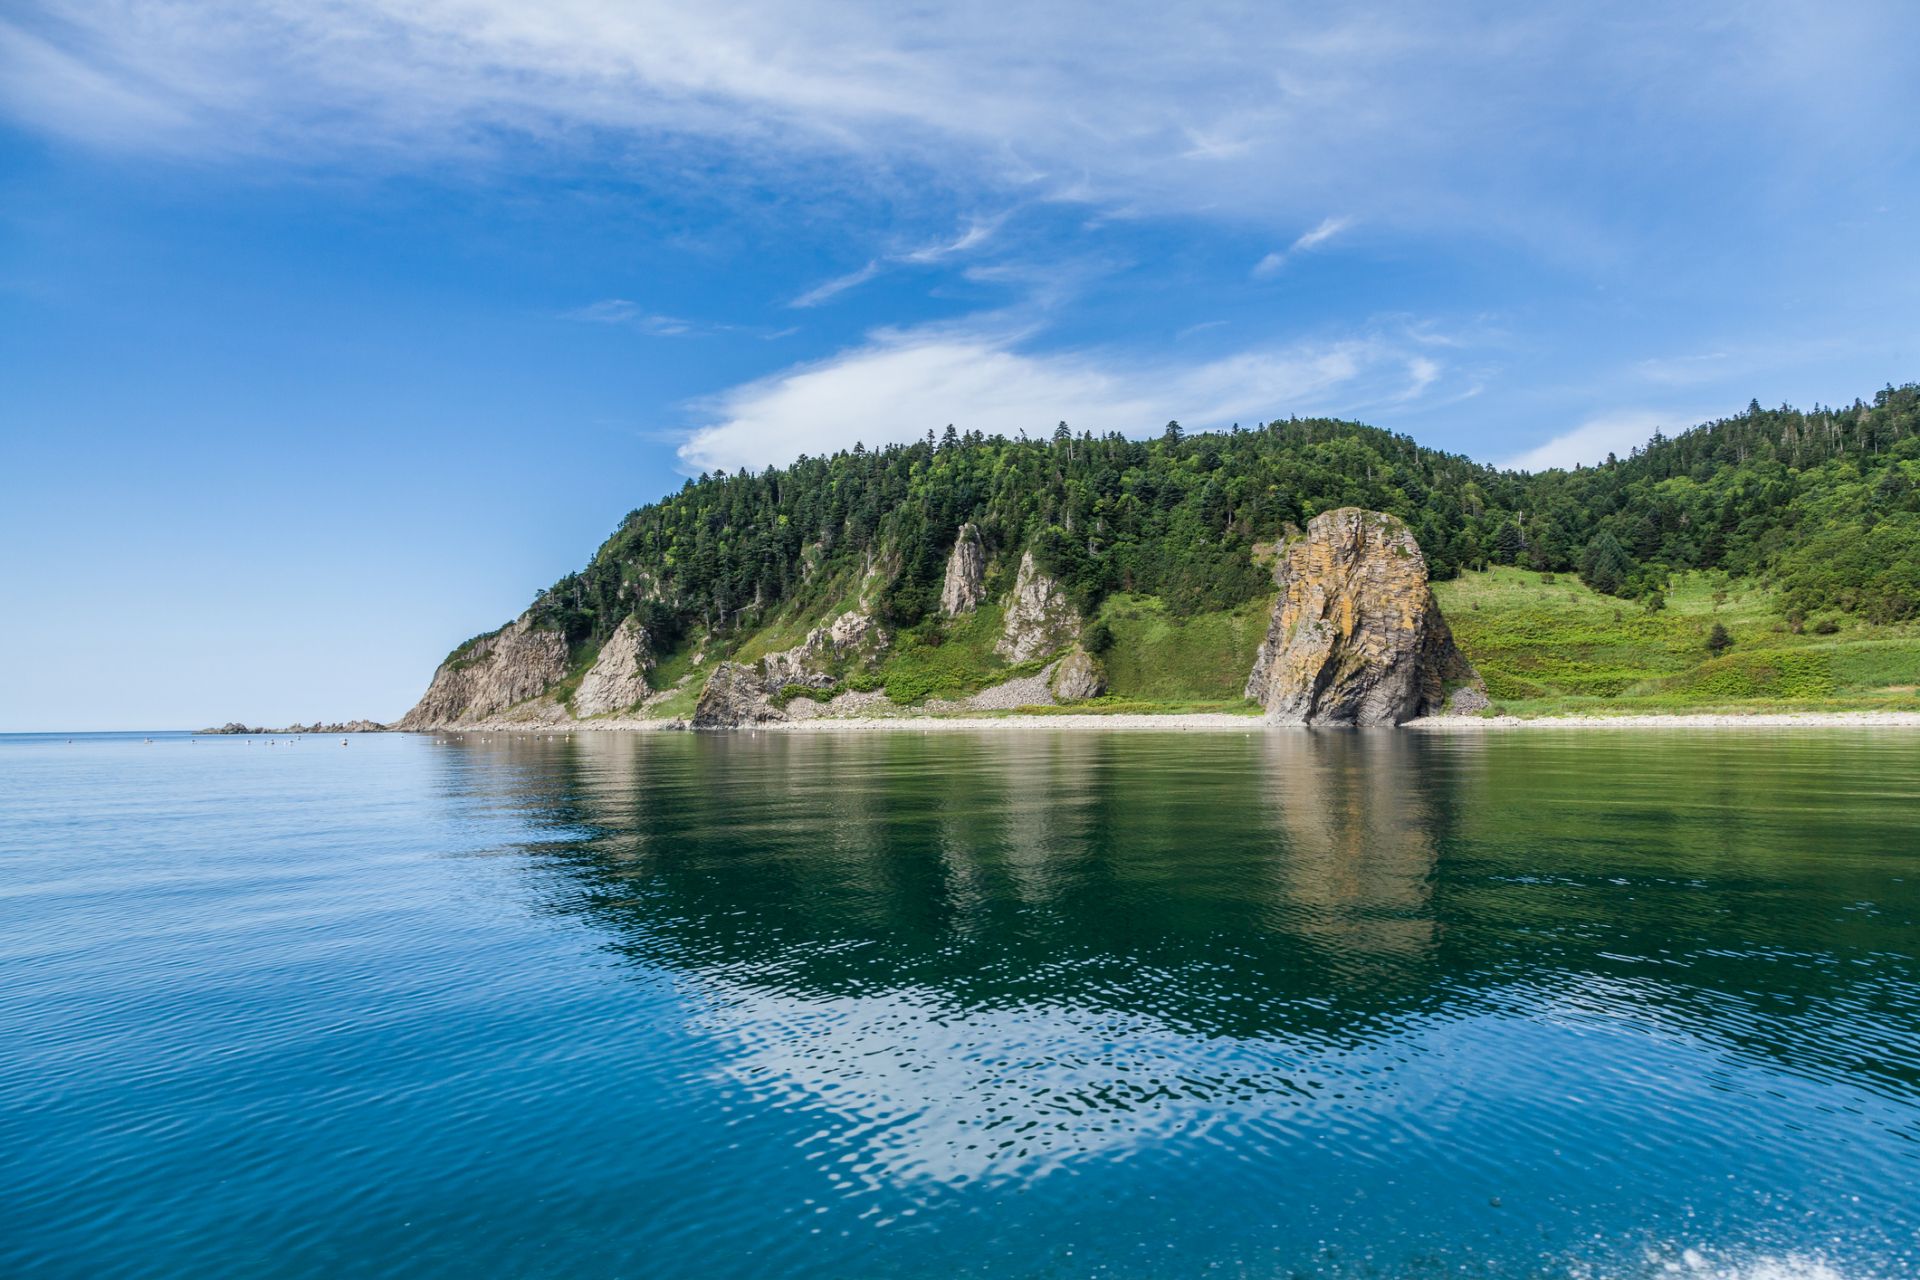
point(1356, 637)
point(735, 694)
point(1040, 618)
point(744, 693)
point(966, 583)
point(517, 662)
point(618, 677)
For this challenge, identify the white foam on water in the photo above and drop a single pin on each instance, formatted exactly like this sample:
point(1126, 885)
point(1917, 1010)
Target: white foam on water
point(1695, 1264)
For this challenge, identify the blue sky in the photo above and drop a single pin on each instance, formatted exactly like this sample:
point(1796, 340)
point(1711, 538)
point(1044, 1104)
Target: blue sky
point(328, 334)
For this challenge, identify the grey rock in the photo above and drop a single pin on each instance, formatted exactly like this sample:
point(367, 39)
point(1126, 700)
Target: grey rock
point(1077, 677)
point(966, 583)
point(1357, 637)
point(617, 679)
point(1039, 617)
point(517, 662)
point(735, 694)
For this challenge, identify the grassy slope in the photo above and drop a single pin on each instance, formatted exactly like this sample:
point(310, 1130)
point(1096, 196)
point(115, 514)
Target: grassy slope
point(1545, 648)
point(1160, 662)
point(1549, 648)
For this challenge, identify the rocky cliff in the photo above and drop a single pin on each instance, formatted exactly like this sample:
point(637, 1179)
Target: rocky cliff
point(1356, 637)
point(1039, 617)
point(487, 676)
point(966, 582)
point(750, 693)
point(617, 679)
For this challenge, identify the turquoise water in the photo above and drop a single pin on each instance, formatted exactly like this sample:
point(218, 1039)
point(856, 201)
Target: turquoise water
point(1040, 1004)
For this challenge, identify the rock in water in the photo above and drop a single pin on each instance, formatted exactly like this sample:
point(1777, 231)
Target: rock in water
point(488, 675)
point(966, 584)
point(618, 677)
point(1356, 638)
point(1040, 618)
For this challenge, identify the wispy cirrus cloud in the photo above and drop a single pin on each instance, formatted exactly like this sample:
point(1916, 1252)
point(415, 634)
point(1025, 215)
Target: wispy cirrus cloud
point(1307, 242)
point(630, 315)
point(977, 232)
point(1250, 114)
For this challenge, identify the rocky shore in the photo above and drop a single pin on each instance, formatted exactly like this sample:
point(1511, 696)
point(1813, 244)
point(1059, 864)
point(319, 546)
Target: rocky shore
point(907, 721)
point(1679, 720)
point(345, 726)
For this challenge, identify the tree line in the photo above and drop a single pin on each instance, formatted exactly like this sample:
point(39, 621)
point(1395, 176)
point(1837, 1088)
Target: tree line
point(1824, 502)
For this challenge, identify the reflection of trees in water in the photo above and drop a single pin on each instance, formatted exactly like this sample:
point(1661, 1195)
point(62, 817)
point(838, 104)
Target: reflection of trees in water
point(1286, 885)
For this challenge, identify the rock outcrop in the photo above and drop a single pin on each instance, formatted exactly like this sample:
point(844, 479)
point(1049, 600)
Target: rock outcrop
point(966, 583)
point(617, 679)
point(747, 693)
point(490, 674)
point(1039, 617)
point(1356, 637)
point(1078, 677)
point(852, 634)
point(736, 694)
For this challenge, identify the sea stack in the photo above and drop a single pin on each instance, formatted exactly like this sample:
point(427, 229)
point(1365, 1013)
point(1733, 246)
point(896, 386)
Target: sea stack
point(1357, 638)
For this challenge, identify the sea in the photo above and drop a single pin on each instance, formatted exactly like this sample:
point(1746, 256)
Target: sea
point(1273, 1003)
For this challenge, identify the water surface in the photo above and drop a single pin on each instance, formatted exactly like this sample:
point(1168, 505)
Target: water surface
point(1077, 1004)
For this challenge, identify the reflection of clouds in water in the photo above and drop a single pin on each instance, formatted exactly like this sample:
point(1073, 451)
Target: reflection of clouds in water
point(920, 1092)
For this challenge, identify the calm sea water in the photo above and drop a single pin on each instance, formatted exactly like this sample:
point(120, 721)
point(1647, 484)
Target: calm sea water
point(1352, 1004)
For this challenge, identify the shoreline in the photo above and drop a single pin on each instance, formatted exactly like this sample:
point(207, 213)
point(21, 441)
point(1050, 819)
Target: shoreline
point(1218, 722)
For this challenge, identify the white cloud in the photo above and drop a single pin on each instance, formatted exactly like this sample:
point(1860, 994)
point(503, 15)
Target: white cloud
point(1269, 265)
point(976, 234)
point(1588, 444)
point(838, 285)
point(1256, 113)
point(1307, 242)
point(628, 314)
point(1327, 230)
point(899, 386)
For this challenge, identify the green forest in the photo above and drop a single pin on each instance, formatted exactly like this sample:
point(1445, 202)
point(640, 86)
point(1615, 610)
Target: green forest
point(1821, 506)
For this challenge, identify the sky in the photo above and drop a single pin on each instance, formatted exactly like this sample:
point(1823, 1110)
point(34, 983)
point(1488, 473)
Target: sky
point(330, 333)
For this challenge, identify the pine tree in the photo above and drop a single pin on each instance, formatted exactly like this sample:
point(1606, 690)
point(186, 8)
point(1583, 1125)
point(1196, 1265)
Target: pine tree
point(1606, 566)
point(1508, 544)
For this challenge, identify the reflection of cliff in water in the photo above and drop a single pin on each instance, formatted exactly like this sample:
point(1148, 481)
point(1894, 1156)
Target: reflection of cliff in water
point(1087, 870)
point(1289, 886)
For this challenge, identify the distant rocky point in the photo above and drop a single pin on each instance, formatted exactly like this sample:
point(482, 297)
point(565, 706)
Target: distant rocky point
point(349, 726)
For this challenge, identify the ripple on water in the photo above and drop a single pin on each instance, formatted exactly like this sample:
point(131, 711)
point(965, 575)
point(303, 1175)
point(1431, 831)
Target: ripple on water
point(1076, 1004)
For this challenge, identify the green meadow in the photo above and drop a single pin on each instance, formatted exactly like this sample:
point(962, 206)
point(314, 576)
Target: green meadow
point(1548, 645)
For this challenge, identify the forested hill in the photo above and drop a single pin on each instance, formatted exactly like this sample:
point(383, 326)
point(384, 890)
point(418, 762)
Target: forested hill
point(1823, 503)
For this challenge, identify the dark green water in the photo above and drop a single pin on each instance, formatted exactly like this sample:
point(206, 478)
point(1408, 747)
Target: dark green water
point(1040, 1004)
